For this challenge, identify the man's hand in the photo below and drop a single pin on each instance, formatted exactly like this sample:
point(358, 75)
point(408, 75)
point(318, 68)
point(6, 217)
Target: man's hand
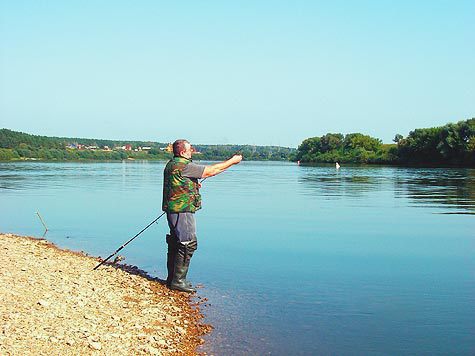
point(236, 159)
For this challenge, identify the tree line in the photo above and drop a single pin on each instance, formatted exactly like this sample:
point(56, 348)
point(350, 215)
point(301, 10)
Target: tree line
point(16, 145)
point(250, 152)
point(350, 148)
point(12, 139)
point(450, 145)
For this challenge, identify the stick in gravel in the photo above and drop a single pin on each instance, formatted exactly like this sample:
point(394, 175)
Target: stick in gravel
point(42, 221)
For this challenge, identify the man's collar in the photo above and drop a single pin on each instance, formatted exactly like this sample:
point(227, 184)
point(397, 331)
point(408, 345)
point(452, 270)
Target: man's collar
point(188, 159)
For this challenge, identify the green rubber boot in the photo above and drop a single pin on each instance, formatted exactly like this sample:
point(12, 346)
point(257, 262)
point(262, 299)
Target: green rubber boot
point(173, 246)
point(189, 250)
point(171, 256)
point(179, 282)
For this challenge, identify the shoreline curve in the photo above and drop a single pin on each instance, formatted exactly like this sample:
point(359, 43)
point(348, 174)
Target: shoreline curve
point(53, 302)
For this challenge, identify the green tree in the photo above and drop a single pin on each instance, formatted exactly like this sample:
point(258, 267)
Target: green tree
point(330, 148)
point(445, 145)
point(357, 140)
point(7, 154)
point(331, 141)
point(398, 138)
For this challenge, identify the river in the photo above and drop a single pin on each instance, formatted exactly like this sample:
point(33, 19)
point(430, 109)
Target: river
point(299, 260)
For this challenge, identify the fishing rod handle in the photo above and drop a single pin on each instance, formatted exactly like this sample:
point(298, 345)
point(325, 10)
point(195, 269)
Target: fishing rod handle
point(125, 244)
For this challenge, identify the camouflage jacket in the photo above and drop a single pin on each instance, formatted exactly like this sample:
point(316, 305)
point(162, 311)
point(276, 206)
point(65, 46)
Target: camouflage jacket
point(180, 194)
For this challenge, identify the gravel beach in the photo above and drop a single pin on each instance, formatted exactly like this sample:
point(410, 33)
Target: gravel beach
point(52, 302)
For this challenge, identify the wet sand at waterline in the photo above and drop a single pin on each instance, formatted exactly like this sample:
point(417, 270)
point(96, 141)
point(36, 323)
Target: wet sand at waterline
point(52, 302)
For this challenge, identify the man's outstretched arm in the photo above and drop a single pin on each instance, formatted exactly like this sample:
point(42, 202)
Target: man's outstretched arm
point(217, 168)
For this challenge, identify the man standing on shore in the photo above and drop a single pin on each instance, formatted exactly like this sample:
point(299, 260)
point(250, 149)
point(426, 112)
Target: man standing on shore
point(181, 198)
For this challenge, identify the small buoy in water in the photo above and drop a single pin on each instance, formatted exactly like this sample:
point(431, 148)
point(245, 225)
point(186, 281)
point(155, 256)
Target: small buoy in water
point(337, 165)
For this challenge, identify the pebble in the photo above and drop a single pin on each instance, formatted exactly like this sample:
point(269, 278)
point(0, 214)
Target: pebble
point(162, 343)
point(43, 303)
point(95, 345)
point(152, 350)
point(94, 338)
point(179, 329)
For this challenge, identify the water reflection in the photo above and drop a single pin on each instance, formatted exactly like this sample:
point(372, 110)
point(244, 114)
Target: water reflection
point(75, 175)
point(338, 185)
point(11, 181)
point(452, 189)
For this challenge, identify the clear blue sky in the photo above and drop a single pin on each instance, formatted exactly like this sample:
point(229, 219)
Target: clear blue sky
point(245, 72)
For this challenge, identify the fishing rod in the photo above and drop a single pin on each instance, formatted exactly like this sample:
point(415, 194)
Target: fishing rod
point(121, 247)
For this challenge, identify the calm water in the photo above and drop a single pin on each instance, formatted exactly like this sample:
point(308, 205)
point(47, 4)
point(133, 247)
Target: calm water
point(294, 260)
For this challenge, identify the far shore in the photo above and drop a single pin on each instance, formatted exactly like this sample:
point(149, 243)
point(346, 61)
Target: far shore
point(53, 302)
